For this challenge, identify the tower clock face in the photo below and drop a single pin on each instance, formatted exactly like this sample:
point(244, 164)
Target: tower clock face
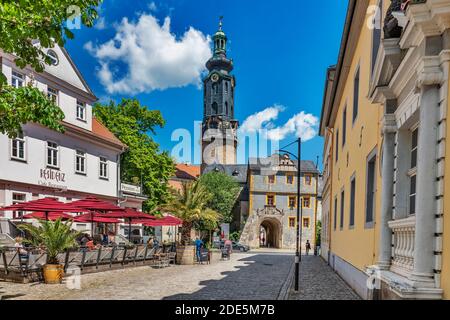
point(215, 77)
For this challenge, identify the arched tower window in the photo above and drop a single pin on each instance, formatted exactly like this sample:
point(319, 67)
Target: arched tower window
point(226, 108)
point(215, 108)
point(215, 88)
point(226, 87)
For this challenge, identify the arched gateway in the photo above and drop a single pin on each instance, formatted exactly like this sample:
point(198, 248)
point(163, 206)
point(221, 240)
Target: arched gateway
point(270, 233)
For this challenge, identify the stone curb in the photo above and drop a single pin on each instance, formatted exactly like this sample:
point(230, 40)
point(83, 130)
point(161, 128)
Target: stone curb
point(284, 291)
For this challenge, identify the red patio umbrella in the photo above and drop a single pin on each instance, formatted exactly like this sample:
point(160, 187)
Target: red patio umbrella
point(94, 204)
point(45, 205)
point(95, 217)
point(165, 221)
point(129, 214)
point(51, 216)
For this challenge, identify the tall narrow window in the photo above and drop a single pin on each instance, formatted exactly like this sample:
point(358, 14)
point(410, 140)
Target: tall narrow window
point(18, 148)
point(52, 154)
point(370, 190)
point(226, 87)
point(17, 80)
point(344, 126)
point(103, 173)
point(352, 201)
point(306, 202)
point(335, 213)
point(308, 179)
point(52, 94)
point(341, 222)
point(413, 172)
point(270, 200)
point(376, 34)
point(306, 223)
point(337, 145)
point(271, 179)
point(292, 221)
point(356, 95)
point(81, 111)
point(289, 179)
point(80, 162)
point(292, 202)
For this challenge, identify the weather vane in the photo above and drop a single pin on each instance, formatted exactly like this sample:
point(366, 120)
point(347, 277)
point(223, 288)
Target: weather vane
point(220, 22)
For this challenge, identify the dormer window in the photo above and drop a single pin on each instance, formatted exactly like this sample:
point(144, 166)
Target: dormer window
point(81, 111)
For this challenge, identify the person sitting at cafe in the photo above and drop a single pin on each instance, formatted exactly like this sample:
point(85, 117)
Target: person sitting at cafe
point(23, 253)
point(90, 244)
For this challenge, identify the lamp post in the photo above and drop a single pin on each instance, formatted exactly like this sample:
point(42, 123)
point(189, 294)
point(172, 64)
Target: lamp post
point(298, 253)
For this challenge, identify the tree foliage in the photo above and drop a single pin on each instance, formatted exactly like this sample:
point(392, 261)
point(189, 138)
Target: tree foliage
point(27, 104)
point(23, 22)
point(190, 205)
point(143, 162)
point(224, 190)
point(55, 236)
point(27, 29)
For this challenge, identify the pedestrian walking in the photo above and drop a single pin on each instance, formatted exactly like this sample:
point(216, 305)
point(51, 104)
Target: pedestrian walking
point(198, 248)
point(308, 247)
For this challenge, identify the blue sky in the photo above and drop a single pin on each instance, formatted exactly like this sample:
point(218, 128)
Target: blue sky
point(281, 50)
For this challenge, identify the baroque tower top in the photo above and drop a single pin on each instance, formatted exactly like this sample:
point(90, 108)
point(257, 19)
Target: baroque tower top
point(219, 126)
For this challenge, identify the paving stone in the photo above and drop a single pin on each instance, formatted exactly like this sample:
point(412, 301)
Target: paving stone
point(319, 282)
point(250, 276)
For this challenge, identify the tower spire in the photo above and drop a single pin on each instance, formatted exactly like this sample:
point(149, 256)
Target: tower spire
point(220, 23)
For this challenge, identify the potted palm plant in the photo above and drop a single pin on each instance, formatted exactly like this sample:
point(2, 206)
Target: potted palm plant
point(190, 205)
point(55, 237)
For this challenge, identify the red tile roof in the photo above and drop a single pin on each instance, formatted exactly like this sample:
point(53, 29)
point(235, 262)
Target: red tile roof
point(100, 130)
point(187, 172)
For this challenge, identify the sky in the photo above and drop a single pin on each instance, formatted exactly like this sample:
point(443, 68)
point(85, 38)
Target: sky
point(155, 51)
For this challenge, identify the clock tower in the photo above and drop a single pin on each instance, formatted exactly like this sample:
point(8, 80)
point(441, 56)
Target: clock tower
point(219, 128)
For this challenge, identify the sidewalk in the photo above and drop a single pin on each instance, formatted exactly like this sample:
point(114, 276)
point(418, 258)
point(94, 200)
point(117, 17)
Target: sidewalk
point(319, 282)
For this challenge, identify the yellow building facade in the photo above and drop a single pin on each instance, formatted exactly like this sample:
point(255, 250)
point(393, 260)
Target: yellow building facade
point(385, 108)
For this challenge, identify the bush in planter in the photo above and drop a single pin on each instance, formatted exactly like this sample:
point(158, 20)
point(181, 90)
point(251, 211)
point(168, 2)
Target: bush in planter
point(56, 237)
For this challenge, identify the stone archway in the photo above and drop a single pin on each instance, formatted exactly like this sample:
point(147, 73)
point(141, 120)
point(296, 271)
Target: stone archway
point(271, 233)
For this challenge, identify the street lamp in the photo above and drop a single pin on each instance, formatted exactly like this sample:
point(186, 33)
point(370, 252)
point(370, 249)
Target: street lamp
point(298, 254)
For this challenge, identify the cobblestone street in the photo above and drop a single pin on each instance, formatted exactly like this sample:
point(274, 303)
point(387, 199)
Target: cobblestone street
point(259, 275)
point(250, 276)
point(319, 282)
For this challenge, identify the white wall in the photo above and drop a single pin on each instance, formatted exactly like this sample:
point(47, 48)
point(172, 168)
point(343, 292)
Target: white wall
point(67, 95)
point(36, 138)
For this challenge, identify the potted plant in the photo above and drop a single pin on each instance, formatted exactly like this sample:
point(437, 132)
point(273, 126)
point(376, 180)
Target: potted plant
point(190, 205)
point(55, 237)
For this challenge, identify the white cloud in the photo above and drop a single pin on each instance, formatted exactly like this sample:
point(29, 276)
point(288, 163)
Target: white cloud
point(303, 125)
point(261, 119)
point(154, 57)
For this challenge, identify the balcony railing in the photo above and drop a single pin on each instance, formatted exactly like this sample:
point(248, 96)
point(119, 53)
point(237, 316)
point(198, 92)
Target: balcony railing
point(404, 231)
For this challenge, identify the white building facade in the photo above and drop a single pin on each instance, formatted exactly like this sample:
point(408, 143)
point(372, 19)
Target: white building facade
point(82, 161)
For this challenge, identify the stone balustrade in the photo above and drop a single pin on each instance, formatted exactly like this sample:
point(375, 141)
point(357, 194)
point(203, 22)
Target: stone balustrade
point(403, 245)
